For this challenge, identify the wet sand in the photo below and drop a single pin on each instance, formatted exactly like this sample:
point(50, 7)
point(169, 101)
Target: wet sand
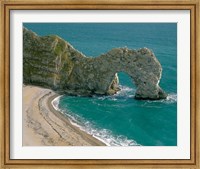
point(45, 126)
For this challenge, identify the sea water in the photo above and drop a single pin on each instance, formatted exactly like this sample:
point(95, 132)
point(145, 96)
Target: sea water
point(120, 120)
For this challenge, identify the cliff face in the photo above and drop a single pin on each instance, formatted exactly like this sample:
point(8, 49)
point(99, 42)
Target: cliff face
point(53, 63)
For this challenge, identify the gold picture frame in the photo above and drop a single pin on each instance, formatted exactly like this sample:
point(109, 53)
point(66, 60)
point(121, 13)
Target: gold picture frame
point(7, 5)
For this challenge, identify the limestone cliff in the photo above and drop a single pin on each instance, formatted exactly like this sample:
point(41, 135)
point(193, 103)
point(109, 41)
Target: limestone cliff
point(51, 62)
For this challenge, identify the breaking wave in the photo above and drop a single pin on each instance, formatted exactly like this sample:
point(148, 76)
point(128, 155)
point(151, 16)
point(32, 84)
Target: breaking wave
point(128, 93)
point(124, 94)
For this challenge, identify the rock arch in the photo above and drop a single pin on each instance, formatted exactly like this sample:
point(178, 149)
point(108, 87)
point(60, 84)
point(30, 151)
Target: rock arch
point(141, 65)
point(52, 62)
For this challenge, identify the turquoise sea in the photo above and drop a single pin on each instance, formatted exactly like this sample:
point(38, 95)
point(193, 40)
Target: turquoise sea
point(120, 120)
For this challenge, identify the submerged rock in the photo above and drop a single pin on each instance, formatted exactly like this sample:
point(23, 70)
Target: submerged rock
point(51, 62)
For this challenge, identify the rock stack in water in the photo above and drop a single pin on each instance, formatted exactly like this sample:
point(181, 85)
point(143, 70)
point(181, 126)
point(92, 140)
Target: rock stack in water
point(52, 62)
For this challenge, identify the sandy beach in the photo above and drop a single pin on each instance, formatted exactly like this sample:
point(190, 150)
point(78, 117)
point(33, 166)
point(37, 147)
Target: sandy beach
point(44, 126)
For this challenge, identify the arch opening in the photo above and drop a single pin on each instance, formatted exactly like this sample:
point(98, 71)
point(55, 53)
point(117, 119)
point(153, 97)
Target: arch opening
point(126, 80)
point(126, 84)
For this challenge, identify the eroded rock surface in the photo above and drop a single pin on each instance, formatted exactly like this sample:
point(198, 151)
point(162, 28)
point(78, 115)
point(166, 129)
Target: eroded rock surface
point(52, 62)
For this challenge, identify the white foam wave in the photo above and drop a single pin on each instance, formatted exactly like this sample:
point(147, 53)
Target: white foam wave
point(103, 135)
point(55, 103)
point(125, 93)
point(171, 98)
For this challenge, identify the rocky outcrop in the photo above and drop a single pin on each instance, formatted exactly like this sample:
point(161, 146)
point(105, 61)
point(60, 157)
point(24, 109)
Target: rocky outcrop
point(53, 63)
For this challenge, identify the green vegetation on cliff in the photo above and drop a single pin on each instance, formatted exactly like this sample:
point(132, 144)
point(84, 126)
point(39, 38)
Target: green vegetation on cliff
point(52, 62)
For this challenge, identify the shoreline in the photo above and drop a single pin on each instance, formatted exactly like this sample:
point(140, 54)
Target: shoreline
point(66, 120)
point(43, 125)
